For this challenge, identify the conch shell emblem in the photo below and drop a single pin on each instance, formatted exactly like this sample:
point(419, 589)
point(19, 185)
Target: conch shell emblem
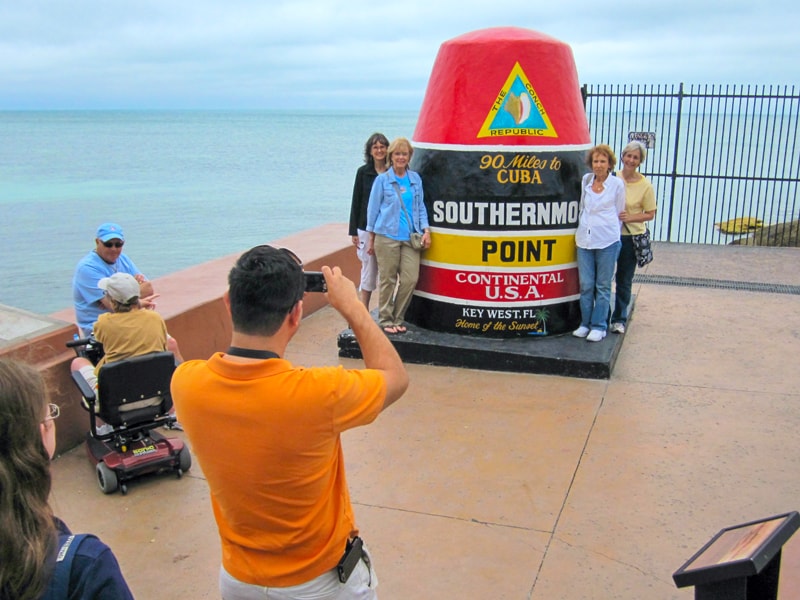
point(519, 107)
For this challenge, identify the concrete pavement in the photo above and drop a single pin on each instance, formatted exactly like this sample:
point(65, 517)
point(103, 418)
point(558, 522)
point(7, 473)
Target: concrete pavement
point(490, 485)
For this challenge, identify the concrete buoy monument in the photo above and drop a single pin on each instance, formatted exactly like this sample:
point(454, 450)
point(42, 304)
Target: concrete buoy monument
point(500, 145)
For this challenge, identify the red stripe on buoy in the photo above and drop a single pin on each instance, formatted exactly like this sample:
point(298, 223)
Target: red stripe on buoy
point(499, 287)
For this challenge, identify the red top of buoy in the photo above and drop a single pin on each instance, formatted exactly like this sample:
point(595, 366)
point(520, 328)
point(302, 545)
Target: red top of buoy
point(503, 86)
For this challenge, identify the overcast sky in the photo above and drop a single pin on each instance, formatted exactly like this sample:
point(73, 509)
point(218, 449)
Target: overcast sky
point(327, 54)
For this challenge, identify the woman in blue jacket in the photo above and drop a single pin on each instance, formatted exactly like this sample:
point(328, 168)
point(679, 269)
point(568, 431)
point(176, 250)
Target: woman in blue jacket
point(396, 210)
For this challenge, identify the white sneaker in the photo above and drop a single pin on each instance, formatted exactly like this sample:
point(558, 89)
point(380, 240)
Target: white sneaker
point(617, 328)
point(581, 332)
point(104, 429)
point(595, 335)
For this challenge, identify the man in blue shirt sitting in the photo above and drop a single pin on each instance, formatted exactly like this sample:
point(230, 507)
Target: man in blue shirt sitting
point(106, 259)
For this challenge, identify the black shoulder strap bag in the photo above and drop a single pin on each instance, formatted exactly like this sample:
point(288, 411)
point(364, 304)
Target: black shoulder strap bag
point(641, 245)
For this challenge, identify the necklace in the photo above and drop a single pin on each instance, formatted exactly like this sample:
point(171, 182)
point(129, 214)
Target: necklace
point(251, 353)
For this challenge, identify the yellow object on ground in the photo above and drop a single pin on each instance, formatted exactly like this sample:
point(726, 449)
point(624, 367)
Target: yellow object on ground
point(739, 225)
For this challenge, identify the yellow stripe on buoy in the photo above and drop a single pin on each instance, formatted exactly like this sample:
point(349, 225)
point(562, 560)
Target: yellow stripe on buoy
point(502, 251)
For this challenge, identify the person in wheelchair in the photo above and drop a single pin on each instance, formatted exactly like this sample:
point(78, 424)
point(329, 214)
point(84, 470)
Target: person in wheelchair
point(127, 331)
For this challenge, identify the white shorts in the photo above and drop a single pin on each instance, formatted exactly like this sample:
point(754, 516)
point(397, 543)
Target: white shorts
point(89, 375)
point(360, 586)
point(87, 372)
point(369, 264)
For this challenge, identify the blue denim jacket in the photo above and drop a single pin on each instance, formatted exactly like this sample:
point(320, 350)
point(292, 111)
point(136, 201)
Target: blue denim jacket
point(383, 210)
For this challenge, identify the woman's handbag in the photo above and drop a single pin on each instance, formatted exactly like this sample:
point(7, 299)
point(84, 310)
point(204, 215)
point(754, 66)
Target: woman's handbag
point(416, 238)
point(642, 247)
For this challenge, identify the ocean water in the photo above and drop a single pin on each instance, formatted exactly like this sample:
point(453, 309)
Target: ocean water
point(191, 186)
point(186, 186)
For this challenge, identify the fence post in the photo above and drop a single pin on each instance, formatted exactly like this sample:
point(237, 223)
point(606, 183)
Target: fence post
point(674, 174)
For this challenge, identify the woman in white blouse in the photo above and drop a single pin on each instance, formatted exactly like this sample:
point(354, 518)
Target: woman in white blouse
point(598, 240)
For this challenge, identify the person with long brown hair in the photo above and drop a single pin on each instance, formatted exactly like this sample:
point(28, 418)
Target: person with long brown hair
point(40, 559)
point(374, 164)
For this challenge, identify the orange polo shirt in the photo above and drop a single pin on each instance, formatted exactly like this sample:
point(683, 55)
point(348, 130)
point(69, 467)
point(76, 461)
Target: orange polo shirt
point(267, 437)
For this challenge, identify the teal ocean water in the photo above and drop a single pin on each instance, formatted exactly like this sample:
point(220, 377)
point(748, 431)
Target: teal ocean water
point(187, 187)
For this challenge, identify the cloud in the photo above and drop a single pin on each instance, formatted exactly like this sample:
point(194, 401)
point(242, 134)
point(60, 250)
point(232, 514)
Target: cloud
point(331, 53)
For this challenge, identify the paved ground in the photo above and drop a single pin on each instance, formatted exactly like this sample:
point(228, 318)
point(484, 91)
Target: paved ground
point(488, 485)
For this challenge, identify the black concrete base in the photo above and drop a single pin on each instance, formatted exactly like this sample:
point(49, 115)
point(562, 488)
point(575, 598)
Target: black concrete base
point(563, 355)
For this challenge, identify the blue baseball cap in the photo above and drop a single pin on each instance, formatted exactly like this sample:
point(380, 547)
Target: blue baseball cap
point(110, 231)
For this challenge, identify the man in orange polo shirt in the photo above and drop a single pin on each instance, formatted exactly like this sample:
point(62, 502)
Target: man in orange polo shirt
point(267, 435)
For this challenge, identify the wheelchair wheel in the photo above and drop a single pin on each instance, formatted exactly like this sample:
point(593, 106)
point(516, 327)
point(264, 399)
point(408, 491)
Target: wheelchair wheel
point(185, 460)
point(106, 478)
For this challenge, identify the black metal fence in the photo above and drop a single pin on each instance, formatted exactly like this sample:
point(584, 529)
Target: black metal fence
point(717, 154)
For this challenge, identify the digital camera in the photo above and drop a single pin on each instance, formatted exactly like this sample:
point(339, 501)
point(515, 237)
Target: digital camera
point(315, 281)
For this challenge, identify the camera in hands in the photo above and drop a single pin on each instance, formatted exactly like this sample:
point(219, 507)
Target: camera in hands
point(315, 281)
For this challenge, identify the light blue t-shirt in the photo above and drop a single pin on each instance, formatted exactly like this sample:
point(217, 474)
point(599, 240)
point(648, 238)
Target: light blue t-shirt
point(404, 232)
point(85, 293)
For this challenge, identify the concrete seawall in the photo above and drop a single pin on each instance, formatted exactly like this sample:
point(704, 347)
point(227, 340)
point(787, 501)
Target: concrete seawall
point(190, 302)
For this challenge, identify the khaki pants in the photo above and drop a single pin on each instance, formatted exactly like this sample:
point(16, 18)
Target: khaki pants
point(398, 271)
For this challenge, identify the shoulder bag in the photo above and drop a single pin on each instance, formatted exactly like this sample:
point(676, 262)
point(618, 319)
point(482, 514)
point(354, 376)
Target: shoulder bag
point(641, 246)
point(416, 237)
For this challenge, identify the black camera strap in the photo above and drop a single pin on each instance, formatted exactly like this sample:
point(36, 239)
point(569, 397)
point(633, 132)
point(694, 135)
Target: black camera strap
point(251, 353)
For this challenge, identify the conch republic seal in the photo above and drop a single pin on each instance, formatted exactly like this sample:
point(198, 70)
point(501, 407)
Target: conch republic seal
point(500, 145)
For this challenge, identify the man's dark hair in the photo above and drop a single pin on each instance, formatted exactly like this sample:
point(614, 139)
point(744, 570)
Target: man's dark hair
point(264, 285)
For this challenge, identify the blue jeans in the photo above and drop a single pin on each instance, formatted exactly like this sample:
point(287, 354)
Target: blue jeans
point(596, 270)
point(626, 267)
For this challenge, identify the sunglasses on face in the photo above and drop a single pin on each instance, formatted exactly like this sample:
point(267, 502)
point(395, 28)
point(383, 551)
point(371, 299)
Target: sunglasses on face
point(113, 244)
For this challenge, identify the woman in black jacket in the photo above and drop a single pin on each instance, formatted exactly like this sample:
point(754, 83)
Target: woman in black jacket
point(375, 163)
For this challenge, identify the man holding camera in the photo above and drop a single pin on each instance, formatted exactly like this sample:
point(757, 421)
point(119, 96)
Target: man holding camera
point(267, 435)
